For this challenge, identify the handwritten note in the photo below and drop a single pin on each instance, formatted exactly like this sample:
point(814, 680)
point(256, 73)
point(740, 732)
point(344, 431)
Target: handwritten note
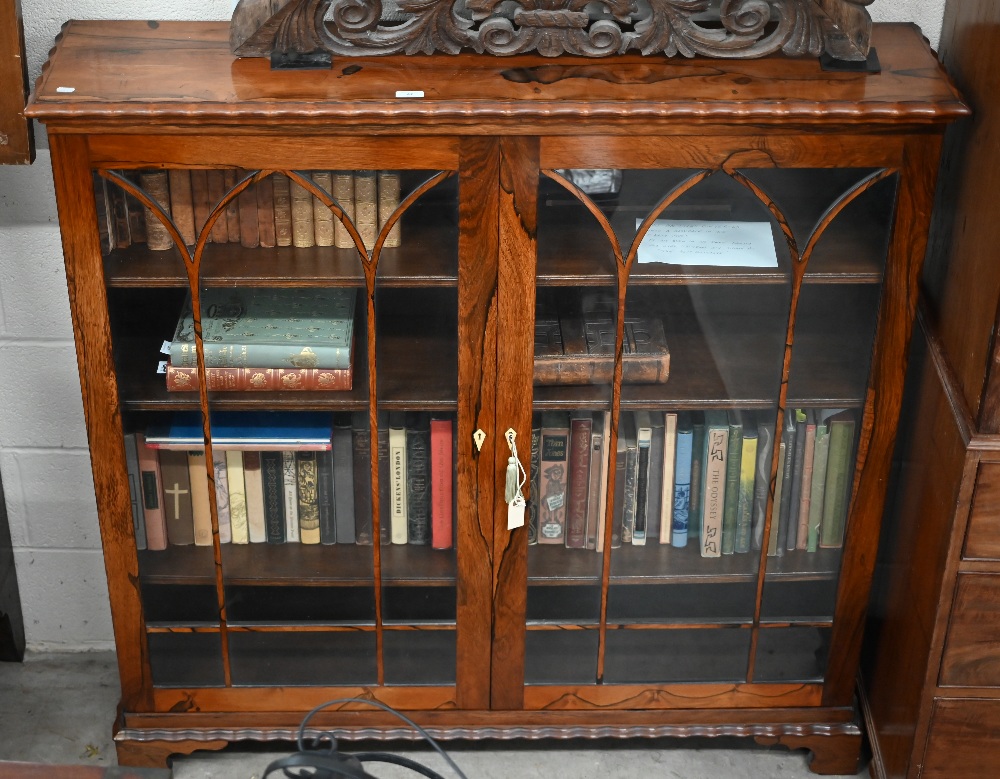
point(698, 242)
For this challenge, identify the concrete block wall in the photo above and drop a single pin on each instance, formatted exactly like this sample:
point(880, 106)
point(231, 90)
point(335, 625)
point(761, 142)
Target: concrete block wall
point(44, 460)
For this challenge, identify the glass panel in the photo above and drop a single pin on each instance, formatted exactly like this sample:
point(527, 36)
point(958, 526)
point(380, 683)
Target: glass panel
point(665, 656)
point(416, 343)
point(282, 300)
point(797, 654)
point(560, 656)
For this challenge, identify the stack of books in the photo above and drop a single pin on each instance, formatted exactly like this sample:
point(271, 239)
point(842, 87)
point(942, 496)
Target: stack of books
point(267, 339)
point(692, 476)
point(274, 212)
point(293, 478)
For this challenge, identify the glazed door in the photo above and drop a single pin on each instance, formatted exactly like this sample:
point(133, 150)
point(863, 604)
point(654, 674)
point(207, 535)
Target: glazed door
point(286, 321)
point(704, 329)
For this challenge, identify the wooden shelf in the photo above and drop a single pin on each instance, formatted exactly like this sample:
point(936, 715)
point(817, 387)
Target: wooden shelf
point(277, 565)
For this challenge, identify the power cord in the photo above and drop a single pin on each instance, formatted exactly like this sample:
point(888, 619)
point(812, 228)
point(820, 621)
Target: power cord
point(311, 762)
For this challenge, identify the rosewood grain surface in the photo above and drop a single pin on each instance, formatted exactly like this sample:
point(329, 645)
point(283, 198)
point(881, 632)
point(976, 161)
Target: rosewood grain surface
point(963, 740)
point(970, 657)
point(17, 141)
point(983, 539)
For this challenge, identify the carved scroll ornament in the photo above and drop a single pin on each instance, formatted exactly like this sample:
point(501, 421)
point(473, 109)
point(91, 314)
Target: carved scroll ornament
point(736, 29)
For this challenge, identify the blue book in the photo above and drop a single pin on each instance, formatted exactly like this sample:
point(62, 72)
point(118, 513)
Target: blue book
point(262, 431)
point(682, 480)
point(269, 328)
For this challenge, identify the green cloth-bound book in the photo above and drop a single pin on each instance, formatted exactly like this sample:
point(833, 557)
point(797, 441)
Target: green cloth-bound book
point(269, 328)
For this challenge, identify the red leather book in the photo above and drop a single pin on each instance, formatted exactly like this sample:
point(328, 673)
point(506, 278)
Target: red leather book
point(260, 379)
point(442, 476)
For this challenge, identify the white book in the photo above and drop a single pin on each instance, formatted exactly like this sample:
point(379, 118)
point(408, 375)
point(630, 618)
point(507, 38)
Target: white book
point(397, 483)
point(667, 487)
point(237, 497)
point(290, 485)
point(254, 483)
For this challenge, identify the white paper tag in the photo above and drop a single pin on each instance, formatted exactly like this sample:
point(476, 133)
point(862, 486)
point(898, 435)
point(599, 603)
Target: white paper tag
point(161, 366)
point(165, 349)
point(515, 513)
point(409, 93)
point(65, 90)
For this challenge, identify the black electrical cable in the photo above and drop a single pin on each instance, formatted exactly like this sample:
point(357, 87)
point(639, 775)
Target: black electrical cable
point(315, 763)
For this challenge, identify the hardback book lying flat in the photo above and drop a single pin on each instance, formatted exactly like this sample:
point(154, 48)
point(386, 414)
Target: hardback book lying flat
point(262, 431)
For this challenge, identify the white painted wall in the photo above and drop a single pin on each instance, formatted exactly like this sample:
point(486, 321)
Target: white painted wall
point(43, 445)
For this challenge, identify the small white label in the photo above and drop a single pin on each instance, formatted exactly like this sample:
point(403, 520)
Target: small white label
point(161, 366)
point(554, 502)
point(65, 89)
point(409, 93)
point(515, 513)
point(165, 349)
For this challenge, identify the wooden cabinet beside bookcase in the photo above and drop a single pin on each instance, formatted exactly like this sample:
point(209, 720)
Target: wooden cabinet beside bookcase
point(497, 638)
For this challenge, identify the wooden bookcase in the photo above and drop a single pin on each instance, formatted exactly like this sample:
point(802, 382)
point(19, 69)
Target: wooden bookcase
point(497, 637)
point(937, 713)
point(17, 144)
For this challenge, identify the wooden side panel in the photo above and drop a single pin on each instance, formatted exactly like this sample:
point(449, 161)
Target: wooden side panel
point(89, 310)
point(983, 541)
point(17, 143)
point(477, 365)
point(963, 277)
point(913, 557)
point(971, 658)
point(516, 347)
point(878, 430)
point(964, 741)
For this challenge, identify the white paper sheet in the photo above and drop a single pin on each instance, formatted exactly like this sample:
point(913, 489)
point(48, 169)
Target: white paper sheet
point(699, 242)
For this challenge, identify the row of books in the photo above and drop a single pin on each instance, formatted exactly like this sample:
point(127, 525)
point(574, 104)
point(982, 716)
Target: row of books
point(692, 476)
point(267, 339)
point(318, 492)
point(275, 211)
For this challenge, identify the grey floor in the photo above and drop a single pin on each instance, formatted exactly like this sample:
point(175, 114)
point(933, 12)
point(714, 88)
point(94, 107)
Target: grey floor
point(58, 708)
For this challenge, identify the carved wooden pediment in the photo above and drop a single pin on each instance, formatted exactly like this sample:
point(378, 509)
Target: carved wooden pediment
point(312, 31)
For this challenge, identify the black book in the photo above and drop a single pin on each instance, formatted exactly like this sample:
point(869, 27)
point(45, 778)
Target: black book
point(362, 478)
point(384, 481)
point(324, 498)
point(418, 478)
point(534, 474)
point(343, 479)
point(274, 497)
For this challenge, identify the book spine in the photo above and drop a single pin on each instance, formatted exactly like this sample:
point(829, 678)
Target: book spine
point(343, 193)
point(695, 511)
point(654, 512)
point(366, 206)
point(222, 497)
point(325, 498)
point(135, 491)
point(442, 483)
point(597, 460)
point(384, 482)
point(787, 469)
point(418, 487)
point(745, 502)
point(607, 467)
point(668, 468)
point(682, 483)
point(838, 484)
point(201, 512)
point(398, 479)
point(805, 494)
point(152, 499)
point(282, 193)
point(105, 219)
point(343, 479)
point(731, 508)
point(579, 481)
point(303, 234)
point(631, 476)
point(774, 546)
point(136, 211)
point(322, 216)
point(307, 483)
point(274, 497)
point(177, 497)
point(182, 204)
point(644, 442)
point(247, 201)
point(762, 481)
point(265, 212)
point(290, 482)
point(534, 476)
point(363, 509)
point(791, 520)
point(200, 199)
point(232, 207)
point(618, 505)
point(714, 496)
point(216, 191)
point(157, 187)
point(553, 473)
point(821, 453)
point(185, 379)
point(254, 484)
point(388, 202)
point(118, 206)
point(237, 497)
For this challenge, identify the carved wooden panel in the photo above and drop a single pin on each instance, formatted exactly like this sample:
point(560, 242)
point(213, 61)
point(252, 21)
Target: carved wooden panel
point(16, 142)
point(312, 31)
